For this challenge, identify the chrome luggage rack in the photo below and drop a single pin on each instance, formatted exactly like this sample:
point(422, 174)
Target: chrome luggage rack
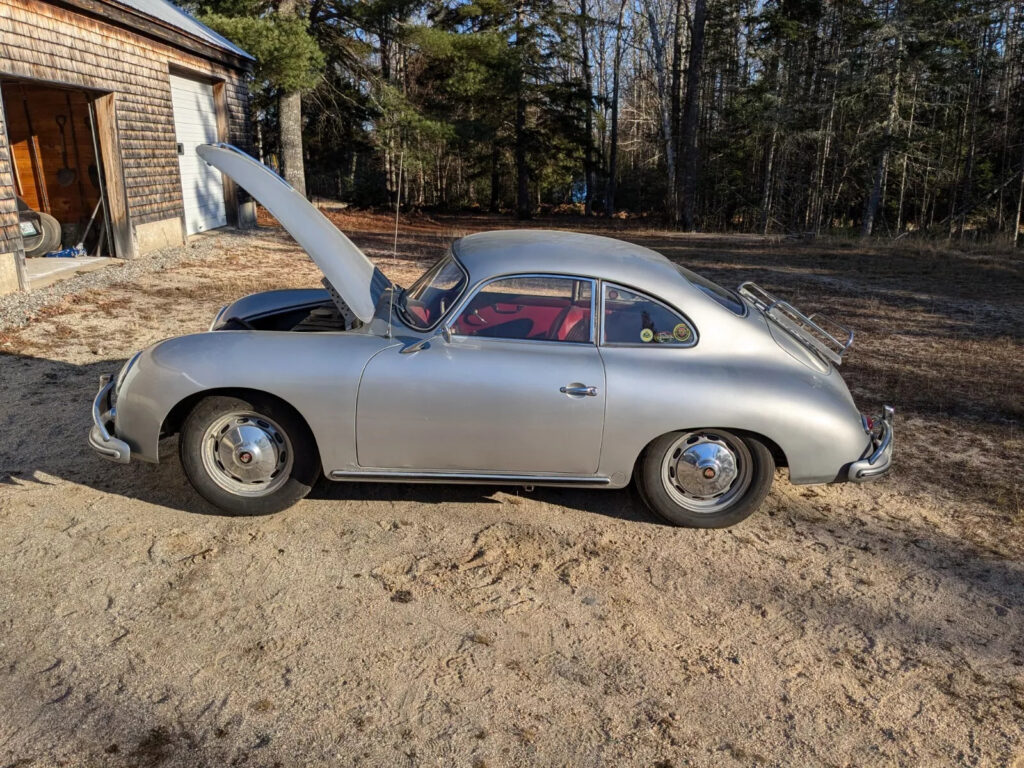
point(807, 329)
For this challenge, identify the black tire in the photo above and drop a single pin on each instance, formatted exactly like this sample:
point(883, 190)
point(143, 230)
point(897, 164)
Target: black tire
point(754, 467)
point(46, 241)
point(283, 428)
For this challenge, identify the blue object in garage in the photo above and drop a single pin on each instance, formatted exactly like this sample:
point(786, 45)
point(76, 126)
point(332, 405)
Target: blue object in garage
point(67, 253)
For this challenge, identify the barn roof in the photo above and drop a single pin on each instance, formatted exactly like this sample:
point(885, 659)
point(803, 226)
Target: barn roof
point(173, 16)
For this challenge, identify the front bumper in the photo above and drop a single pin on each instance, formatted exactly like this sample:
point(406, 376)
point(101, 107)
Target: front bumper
point(100, 438)
point(880, 461)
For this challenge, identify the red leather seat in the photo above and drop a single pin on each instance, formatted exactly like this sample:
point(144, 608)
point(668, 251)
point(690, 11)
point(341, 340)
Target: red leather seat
point(567, 321)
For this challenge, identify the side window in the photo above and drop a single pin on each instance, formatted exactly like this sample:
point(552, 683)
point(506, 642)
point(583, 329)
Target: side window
point(527, 307)
point(632, 318)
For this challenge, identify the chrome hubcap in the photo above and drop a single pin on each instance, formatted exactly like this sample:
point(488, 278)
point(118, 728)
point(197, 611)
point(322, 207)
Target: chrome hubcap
point(247, 454)
point(706, 471)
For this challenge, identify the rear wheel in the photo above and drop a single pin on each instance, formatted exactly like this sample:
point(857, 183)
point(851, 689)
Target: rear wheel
point(707, 478)
point(251, 456)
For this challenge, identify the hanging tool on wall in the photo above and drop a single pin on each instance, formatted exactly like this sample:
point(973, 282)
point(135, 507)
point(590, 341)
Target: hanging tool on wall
point(65, 176)
point(78, 156)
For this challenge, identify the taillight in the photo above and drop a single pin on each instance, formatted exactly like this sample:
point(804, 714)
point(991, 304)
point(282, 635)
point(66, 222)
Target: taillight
point(869, 423)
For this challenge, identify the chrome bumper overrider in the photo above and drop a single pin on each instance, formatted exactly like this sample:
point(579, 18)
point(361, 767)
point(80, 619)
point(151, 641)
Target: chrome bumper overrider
point(880, 460)
point(100, 439)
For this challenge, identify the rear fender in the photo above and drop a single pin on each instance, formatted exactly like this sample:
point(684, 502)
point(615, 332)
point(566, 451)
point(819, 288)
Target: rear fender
point(809, 416)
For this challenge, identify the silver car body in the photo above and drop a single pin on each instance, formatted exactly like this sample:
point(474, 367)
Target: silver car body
point(387, 402)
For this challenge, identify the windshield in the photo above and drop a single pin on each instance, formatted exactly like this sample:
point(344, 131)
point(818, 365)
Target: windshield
point(433, 294)
point(723, 296)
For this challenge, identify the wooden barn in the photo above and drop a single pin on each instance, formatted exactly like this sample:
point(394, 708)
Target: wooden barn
point(102, 103)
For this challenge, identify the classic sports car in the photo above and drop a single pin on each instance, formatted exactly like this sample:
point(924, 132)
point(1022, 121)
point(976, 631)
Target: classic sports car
point(520, 357)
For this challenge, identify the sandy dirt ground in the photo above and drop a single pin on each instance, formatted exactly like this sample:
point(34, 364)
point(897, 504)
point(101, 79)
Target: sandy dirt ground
point(398, 625)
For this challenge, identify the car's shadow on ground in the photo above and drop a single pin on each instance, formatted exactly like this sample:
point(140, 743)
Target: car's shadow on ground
point(621, 504)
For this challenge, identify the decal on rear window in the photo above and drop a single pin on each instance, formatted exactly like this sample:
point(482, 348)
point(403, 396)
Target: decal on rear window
point(629, 316)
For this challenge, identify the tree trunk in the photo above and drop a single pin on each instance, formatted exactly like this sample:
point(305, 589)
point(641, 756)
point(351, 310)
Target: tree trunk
point(819, 203)
point(588, 85)
point(691, 112)
point(906, 155)
point(1020, 205)
point(766, 191)
point(523, 207)
point(613, 150)
point(290, 124)
point(675, 110)
point(495, 179)
point(875, 198)
point(769, 168)
point(668, 135)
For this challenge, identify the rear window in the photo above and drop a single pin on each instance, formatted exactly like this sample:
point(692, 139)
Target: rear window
point(723, 296)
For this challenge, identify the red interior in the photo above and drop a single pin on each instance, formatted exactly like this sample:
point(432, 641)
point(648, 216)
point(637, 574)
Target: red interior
point(524, 316)
point(420, 312)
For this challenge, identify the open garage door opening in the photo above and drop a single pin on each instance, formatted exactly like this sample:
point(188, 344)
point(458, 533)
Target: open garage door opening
point(195, 123)
point(57, 169)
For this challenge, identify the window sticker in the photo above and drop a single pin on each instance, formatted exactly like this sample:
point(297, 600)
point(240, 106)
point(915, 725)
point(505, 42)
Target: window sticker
point(646, 335)
point(682, 332)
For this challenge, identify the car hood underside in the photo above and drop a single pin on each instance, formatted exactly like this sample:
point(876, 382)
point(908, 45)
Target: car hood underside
point(352, 276)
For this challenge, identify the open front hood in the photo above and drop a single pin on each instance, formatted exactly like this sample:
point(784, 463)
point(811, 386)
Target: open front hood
point(348, 271)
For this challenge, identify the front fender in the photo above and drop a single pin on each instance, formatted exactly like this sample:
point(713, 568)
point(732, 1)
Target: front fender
point(315, 373)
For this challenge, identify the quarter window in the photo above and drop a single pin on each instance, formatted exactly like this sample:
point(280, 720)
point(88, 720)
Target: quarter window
point(530, 307)
point(633, 318)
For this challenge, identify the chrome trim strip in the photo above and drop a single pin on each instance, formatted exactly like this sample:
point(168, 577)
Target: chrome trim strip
point(466, 478)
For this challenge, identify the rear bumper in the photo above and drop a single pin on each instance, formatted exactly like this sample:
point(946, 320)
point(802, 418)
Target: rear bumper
point(880, 461)
point(101, 440)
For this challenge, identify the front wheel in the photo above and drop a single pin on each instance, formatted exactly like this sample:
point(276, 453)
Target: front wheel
point(707, 478)
point(252, 456)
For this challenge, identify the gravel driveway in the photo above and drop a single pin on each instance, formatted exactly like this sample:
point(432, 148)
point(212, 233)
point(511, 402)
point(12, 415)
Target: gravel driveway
point(417, 625)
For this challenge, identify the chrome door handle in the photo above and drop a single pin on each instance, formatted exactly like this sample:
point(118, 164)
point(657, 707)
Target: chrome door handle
point(578, 390)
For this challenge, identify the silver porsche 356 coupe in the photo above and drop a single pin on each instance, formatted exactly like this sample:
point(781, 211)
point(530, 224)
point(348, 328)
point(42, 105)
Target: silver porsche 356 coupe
point(520, 357)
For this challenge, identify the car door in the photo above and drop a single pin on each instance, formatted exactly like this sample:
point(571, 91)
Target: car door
point(519, 388)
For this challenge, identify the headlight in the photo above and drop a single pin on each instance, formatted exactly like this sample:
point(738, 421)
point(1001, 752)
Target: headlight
point(121, 377)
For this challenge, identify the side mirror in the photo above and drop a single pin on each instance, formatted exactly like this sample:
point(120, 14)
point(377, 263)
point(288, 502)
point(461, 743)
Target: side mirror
point(444, 332)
